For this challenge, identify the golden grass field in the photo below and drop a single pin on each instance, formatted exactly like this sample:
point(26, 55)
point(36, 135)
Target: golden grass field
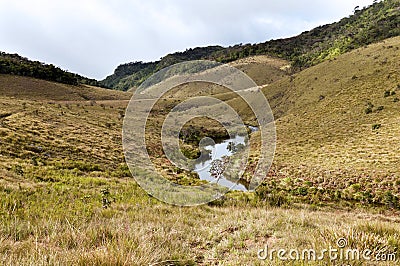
point(68, 198)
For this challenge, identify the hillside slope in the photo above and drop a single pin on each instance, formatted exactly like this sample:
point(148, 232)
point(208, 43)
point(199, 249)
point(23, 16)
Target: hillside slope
point(15, 64)
point(338, 127)
point(37, 89)
point(330, 110)
point(67, 196)
point(371, 24)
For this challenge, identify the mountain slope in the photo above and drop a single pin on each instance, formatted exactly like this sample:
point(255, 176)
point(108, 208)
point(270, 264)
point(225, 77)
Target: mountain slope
point(371, 24)
point(37, 89)
point(15, 64)
point(338, 127)
point(344, 112)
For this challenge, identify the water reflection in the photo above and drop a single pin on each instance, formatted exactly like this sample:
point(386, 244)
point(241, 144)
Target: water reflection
point(218, 152)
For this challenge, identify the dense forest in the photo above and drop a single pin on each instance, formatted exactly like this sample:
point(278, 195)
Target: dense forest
point(370, 24)
point(15, 64)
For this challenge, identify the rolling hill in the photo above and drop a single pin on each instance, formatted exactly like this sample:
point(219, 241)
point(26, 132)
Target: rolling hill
point(15, 64)
point(38, 89)
point(67, 196)
point(371, 24)
point(338, 123)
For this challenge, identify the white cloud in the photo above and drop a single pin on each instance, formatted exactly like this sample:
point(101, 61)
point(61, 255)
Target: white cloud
point(92, 37)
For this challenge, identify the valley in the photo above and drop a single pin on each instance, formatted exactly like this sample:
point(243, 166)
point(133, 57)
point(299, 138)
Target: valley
point(67, 196)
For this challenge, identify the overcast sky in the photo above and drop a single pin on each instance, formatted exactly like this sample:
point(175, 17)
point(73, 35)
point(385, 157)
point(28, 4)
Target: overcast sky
point(92, 37)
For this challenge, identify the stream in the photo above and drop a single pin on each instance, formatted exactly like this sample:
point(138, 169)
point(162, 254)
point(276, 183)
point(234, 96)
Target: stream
point(218, 151)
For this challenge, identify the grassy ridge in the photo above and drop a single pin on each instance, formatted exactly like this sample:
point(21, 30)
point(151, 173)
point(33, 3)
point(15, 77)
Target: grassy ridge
point(371, 24)
point(15, 64)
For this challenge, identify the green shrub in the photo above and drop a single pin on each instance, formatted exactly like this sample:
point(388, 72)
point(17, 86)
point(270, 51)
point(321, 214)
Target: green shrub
point(18, 170)
point(376, 126)
point(368, 110)
point(105, 198)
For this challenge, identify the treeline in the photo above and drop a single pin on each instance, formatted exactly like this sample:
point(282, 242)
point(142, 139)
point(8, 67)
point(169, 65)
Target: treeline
point(371, 24)
point(15, 64)
point(133, 74)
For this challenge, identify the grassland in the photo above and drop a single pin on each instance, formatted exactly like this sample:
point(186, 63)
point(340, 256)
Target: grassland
point(67, 197)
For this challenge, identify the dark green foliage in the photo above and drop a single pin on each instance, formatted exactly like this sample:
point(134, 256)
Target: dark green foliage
point(79, 165)
point(368, 110)
point(15, 64)
point(18, 170)
point(376, 126)
point(372, 24)
point(390, 200)
point(133, 74)
point(105, 198)
point(272, 196)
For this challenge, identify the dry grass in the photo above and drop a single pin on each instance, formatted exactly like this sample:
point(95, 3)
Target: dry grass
point(67, 198)
point(35, 89)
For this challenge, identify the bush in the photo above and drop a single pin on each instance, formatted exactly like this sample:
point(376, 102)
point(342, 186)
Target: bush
point(18, 170)
point(368, 110)
point(376, 126)
point(271, 196)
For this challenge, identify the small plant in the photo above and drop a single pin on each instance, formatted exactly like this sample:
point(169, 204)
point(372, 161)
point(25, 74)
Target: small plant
point(121, 114)
point(218, 167)
point(34, 161)
point(18, 170)
point(105, 198)
point(395, 100)
point(387, 94)
point(376, 126)
point(390, 200)
point(368, 110)
point(380, 108)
